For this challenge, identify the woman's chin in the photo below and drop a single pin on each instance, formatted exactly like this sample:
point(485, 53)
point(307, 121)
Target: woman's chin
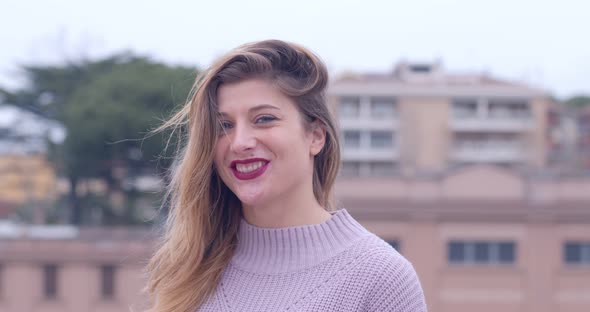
point(250, 197)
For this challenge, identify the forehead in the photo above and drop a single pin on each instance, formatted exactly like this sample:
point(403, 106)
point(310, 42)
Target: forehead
point(242, 96)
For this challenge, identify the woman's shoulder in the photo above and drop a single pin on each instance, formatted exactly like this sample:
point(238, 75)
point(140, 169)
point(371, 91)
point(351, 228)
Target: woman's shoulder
point(378, 256)
point(391, 279)
point(367, 245)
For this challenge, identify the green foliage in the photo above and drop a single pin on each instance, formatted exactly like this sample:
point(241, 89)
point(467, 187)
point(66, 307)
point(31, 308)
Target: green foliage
point(108, 107)
point(50, 86)
point(578, 101)
point(113, 113)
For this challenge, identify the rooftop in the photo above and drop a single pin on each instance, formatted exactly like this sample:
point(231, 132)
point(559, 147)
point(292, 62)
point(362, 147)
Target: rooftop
point(409, 78)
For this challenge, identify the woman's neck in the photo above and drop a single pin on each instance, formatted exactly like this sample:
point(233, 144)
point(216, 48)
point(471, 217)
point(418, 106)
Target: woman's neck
point(289, 249)
point(286, 211)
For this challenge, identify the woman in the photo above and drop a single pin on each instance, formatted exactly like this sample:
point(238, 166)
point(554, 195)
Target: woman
point(252, 226)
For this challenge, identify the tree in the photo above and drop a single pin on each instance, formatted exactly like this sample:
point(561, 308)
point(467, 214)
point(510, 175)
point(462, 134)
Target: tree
point(107, 107)
point(578, 101)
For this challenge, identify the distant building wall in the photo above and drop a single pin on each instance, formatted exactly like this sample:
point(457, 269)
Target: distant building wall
point(424, 132)
point(437, 121)
point(481, 238)
point(74, 274)
point(26, 178)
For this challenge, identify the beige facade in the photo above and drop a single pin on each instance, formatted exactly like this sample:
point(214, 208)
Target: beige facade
point(25, 178)
point(66, 269)
point(481, 238)
point(424, 137)
point(484, 238)
point(420, 149)
point(422, 120)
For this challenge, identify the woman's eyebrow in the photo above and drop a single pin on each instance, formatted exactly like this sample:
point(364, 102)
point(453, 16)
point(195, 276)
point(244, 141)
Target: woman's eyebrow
point(253, 109)
point(263, 106)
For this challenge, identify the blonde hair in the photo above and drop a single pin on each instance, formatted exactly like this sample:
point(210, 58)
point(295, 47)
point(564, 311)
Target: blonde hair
point(201, 227)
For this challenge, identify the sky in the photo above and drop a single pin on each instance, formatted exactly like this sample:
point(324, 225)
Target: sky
point(537, 42)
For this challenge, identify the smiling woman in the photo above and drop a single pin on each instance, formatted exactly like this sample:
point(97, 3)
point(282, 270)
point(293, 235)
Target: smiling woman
point(261, 144)
point(252, 225)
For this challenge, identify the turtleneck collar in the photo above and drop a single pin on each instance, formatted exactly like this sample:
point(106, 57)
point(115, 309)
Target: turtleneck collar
point(281, 250)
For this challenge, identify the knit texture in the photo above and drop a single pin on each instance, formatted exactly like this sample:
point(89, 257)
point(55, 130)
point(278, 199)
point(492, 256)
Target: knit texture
point(336, 265)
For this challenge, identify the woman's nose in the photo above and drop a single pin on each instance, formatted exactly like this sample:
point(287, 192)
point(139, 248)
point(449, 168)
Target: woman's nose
point(243, 139)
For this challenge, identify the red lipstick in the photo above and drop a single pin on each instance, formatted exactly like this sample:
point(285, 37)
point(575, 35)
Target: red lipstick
point(250, 174)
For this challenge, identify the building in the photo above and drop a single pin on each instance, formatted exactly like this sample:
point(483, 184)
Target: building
point(421, 120)
point(454, 171)
point(481, 238)
point(450, 169)
point(583, 144)
point(64, 268)
point(569, 139)
point(26, 176)
point(484, 238)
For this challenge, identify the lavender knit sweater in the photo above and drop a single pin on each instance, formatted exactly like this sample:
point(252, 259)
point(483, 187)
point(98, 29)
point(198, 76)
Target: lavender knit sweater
point(336, 265)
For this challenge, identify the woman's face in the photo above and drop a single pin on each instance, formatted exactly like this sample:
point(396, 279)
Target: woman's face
point(263, 153)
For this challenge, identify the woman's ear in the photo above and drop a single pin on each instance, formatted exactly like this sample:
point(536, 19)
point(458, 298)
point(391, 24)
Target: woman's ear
point(318, 137)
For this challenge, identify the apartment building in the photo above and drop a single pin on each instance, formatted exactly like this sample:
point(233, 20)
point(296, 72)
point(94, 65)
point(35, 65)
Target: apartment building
point(421, 120)
point(481, 238)
point(65, 268)
point(484, 238)
point(569, 138)
point(26, 176)
point(428, 165)
point(583, 144)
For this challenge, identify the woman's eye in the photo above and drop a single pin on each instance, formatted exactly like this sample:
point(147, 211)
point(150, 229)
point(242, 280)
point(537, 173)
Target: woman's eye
point(224, 125)
point(265, 119)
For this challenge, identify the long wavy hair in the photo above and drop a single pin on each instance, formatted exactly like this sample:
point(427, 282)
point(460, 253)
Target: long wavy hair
point(199, 235)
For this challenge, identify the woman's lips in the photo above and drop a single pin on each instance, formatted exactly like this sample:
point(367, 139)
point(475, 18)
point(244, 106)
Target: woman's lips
point(248, 169)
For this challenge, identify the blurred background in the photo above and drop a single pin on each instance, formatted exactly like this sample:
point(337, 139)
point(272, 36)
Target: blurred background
point(465, 139)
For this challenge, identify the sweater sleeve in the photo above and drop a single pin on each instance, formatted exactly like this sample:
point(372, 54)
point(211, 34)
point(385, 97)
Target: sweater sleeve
point(397, 288)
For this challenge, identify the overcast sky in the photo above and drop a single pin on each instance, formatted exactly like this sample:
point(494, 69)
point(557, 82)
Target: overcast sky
point(543, 43)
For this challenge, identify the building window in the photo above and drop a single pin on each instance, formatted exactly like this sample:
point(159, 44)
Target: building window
point(456, 252)
point(349, 107)
point(107, 281)
point(50, 281)
point(488, 141)
point(352, 139)
point(420, 68)
point(381, 139)
point(382, 108)
point(381, 168)
point(350, 169)
point(509, 109)
point(395, 244)
point(465, 108)
point(576, 252)
point(481, 252)
point(506, 252)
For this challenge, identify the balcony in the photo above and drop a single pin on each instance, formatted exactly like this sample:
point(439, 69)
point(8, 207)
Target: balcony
point(488, 152)
point(369, 145)
point(491, 124)
point(368, 123)
point(491, 115)
point(368, 113)
point(381, 154)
